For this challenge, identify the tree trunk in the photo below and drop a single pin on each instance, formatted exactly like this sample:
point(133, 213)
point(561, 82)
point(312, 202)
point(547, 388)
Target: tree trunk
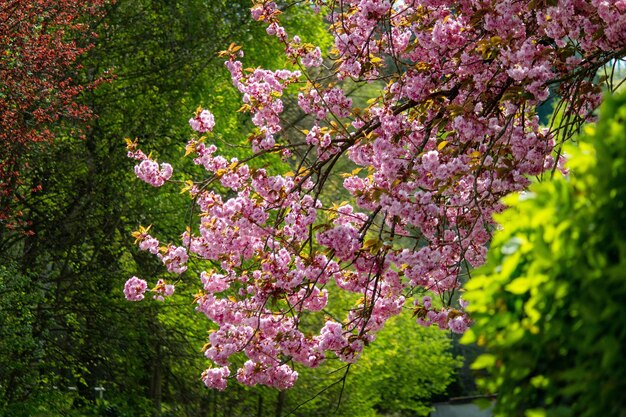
point(280, 404)
point(155, 386)
point(259, 411)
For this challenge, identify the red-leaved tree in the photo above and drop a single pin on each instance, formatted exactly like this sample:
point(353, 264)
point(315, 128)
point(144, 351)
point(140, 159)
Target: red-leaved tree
point(453, 130)
point(40, 44)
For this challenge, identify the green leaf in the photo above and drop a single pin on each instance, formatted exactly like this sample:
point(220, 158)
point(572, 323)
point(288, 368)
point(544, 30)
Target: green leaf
point(485, 360)
point(520, 285)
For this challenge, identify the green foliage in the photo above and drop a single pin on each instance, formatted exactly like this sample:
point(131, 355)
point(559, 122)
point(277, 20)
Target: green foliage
point(406, 367)
point(549, 304)
point(18, 348)
point(398, 375)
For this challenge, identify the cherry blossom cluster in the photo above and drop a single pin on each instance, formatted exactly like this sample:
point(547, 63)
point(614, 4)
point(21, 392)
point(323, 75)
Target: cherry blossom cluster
point(261, 91)
point(203, 121)
point(162, 290)
point(148, 170)
point(453, 130)
point(174, 258)
point(135, 288)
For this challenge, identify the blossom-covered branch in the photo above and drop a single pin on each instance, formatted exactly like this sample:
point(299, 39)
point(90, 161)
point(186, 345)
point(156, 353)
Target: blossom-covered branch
point(453, 130)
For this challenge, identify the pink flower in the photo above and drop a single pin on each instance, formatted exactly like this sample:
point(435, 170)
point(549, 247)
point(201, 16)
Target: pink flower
point(175, 259)
point(430, 161)
point(458, 324)
point(216, 378)
point(162, 290)
point(135, 288)
point(343, 239)
point(149, 171)
point(312, 58)
point(149, 244)
point(214, 283)
point(332, 337)
point(202, 122)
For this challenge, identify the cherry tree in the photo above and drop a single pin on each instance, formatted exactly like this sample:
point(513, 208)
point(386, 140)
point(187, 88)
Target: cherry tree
point(41, 43)
point(453, 130)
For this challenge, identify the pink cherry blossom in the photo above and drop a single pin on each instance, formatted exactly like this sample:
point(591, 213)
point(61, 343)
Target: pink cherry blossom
point(150, 172)
point(450, 129)
point(135, 288)
point(150, 244)
point(175, 259)
point(216, 378)
point(203, 122)
point(162, 290)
